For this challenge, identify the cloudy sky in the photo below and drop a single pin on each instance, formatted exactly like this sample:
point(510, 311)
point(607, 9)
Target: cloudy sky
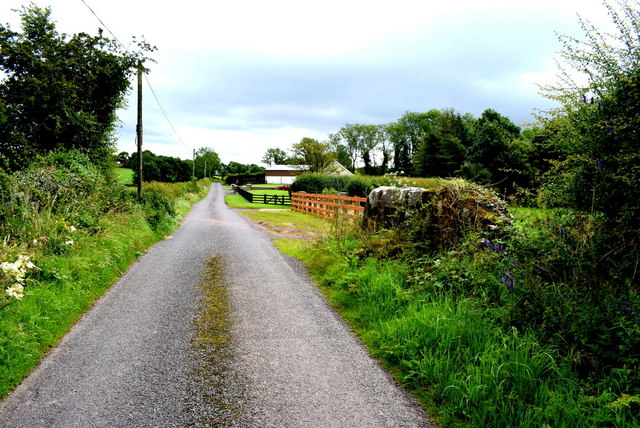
point(242, 76)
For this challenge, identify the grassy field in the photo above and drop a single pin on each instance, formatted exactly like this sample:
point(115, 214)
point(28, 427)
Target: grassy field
point(237, 201)
point(269, 192)
point(125, 176)
point(258, 186)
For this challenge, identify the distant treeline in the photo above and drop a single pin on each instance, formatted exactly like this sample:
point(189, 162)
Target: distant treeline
point(170, 169)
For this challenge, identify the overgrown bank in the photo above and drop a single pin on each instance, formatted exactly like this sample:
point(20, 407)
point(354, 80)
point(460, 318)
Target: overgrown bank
point(68, 233)
point(529, 328)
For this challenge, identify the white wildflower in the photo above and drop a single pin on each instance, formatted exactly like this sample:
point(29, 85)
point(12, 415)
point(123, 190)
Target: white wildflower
point(16, 291)
point(10, 269)
point(69, 242)
point(72, 228)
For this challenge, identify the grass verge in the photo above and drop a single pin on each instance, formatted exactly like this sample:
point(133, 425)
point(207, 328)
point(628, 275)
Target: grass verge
point(68, 283)
point(237, 201)
point(454, 350)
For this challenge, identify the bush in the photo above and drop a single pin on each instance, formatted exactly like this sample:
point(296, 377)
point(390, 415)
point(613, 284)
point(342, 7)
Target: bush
point(317, 183)
point(358, 186)
point(159, 209)
point(63, 186)
point(310, 183)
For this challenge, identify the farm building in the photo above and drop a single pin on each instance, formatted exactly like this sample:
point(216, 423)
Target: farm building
point(286, 174)
point(281, 174)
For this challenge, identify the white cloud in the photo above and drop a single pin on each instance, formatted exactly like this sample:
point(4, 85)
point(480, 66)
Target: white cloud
point(246, 75)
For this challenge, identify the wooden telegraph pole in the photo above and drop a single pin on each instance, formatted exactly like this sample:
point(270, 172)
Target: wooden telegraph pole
point(139, 132)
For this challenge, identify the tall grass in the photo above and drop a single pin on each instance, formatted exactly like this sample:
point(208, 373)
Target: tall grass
point(478, 348)
point(66, 286)
point(82, 230)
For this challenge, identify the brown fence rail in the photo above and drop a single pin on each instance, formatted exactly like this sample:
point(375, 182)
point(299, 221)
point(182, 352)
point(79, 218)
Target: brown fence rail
point(328, 207)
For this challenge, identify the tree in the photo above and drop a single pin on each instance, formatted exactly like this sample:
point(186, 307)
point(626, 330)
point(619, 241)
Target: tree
point(60, 92)
point(166, 169)
point(407, 135)
point(595, 130)
point(350, 134)
point(488, 157)
point(275, 156)
point(313, 155)
point(207, 158)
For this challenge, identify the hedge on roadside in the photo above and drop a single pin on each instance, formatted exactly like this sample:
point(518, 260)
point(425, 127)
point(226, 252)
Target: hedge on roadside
point(317, 183)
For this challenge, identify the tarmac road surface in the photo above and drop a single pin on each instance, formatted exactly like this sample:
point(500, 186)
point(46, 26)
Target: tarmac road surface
point(281, 357)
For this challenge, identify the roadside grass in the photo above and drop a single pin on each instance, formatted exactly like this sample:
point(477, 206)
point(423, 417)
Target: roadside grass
point(453, 350)
point(68, 284)
point(237, 201)
point(76, 273)
point(288, 218)
point(125, 176)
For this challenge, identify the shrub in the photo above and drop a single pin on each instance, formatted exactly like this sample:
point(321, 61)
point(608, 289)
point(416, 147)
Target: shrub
point(359, 186)
point(310, 183)
point(159, 209)
point(317, 183)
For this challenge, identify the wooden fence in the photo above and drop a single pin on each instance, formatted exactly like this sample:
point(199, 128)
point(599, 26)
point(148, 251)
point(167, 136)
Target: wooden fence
point(329, 207)
point(264, 199)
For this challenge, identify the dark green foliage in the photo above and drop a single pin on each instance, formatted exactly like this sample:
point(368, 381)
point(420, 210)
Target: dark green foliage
point(245, 178)
point(65, 185)
point(358, 186)
point(158, 209)
point(59, 92)
point(317, 183)
point(492, 156)
point(166, 169)
point(596, 175)
point(207, 163)
point(239, 168)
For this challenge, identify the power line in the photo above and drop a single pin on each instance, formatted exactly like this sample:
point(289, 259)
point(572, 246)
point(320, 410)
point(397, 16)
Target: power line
point(155, 96)
point(104, 25)
point(164, 112)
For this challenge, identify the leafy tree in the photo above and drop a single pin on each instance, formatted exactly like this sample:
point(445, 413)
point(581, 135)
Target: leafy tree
point(489, 156)
point(122, 159)
point(207, 158)
point(60, 92)
point(443, 147)
point(316, 156)
point(342, 154)
point(275, 156)
point(362, 142)
point(239, 168)
point(595, 130)
point(350, 134)
point(161, 168)
point(407, 135)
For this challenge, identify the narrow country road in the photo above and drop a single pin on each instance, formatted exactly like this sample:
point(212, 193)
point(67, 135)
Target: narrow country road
point(278, 355)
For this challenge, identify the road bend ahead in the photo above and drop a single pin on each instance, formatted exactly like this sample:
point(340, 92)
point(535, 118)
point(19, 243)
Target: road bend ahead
point(280, 357)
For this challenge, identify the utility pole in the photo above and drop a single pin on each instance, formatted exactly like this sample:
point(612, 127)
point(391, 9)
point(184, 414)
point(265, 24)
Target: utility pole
point(193, 173)
point(205, 169)
point(139, 132)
